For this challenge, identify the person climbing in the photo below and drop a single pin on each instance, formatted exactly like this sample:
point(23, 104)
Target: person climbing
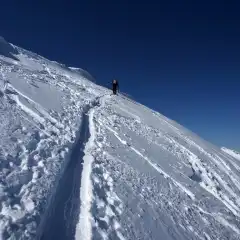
point(115, 86)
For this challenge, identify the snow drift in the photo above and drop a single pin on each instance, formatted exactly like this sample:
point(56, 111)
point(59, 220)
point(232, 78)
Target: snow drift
point(78, 163)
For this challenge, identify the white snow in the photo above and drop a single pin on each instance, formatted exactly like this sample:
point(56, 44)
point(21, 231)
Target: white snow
point(41, 109)
point(157, 168)
point(84, 228)
point(79, 163)
point(232, 153)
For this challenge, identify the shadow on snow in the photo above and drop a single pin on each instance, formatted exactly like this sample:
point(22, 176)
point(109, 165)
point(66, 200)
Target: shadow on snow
point(62, 220)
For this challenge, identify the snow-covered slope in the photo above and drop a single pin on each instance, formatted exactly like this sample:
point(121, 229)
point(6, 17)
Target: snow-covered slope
point(41, 111)
point(232, 153)
point(78, 163)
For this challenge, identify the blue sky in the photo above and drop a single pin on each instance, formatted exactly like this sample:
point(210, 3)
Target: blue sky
point(180, 58)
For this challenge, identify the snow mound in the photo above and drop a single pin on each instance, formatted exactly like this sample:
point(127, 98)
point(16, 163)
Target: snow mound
point(7, 50)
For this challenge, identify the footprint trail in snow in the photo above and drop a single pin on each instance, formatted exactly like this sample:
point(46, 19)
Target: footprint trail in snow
point(77, 163)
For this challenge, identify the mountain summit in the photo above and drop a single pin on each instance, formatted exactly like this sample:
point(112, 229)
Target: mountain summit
point(79, 163)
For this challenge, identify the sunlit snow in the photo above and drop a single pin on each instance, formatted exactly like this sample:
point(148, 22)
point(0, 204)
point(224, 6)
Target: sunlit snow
point(79, 163)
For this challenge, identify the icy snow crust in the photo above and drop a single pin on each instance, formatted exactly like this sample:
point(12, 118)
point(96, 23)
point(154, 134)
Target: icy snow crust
point(78, 163)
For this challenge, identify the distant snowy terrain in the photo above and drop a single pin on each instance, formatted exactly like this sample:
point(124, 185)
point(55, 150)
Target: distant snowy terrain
point(232, 153)
point(79, 163)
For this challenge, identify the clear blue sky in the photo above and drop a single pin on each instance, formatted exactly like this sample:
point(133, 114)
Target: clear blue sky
point(181, 58)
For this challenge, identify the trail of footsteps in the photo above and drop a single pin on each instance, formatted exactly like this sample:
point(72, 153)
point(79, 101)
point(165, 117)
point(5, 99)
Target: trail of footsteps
point(33, 157)
point(208, 179)
point(106, 207)
point(25, 169)
point(154, 165)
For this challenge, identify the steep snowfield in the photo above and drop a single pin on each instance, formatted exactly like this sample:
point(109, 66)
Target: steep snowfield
point(41, 109)
point(153, 179)
point(78, 163)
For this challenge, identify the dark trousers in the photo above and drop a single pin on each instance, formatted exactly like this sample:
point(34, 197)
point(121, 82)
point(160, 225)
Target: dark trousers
point(114, 90)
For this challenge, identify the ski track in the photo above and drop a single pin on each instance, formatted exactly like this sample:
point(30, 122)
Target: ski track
point(84, 226)
point(63, 212)
point(64, 207)
point(96, 181)
point(83, 229)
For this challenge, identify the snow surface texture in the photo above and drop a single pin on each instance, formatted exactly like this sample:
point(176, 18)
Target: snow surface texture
point(78, 163)
point(232, 153)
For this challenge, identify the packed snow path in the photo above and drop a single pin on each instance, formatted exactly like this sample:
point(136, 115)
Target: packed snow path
point(84, 228)
point(69, 200)
point(64, 210)
point(75, 165)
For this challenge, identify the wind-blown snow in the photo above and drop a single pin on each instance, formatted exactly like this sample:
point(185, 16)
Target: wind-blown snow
point(139, 175)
